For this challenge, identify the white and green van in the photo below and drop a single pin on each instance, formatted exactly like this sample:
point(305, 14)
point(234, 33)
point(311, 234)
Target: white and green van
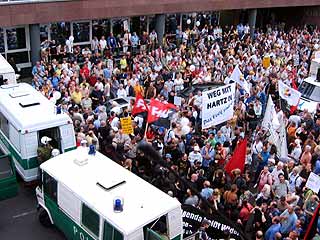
point(78, 192)
point(25, 117)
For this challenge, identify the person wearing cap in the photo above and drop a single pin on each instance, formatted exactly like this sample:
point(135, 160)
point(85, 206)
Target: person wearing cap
point(44, 150)
point(195, 155)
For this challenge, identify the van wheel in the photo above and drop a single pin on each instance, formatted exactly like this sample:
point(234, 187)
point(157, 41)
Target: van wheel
point(44, 218)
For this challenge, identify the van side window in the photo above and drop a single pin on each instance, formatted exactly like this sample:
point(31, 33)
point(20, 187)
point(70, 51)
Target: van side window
point(4, 125)
point(50, 187)
point(111, 233)
point(90, 220)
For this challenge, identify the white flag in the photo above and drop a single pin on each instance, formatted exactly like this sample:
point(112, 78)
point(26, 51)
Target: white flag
point(237, 77)
point(289, 94)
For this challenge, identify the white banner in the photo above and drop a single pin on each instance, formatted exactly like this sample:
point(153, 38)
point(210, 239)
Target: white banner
point(313, 182)
point(237, 76)
point(217, 105)
point(289, 94)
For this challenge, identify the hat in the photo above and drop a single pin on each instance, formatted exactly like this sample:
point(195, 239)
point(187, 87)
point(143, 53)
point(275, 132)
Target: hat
point(115, 129)
point(297, 141)
point(196, 148)
point(168, 155)
point(45, 140)
point(271, 160)
point(55, 152)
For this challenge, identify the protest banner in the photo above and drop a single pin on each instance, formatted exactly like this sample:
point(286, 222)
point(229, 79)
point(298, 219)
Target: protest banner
point(217, 105)
point(192, 218)
point(313, 182)
point(126, 125)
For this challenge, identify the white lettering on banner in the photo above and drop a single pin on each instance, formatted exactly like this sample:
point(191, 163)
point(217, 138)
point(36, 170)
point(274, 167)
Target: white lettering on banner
point(158, 112)
point(140, 104)
point(217, 105)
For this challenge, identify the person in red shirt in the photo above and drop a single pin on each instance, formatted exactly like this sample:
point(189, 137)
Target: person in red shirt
point(85, 72)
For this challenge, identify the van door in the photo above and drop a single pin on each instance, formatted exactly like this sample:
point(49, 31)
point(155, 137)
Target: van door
point(67, 137)
point(54, 134)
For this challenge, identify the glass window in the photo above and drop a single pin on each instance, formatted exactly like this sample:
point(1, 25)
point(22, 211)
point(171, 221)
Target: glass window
point(5, 167)
point(90, 220)
point(60, 32)
point(50, 186)
point(19, 57)
point(101, 28)
point(81, 32)
point(16, 38)
point(44, 32)
point(1, 40)
point(110, 233)
point(4, 125)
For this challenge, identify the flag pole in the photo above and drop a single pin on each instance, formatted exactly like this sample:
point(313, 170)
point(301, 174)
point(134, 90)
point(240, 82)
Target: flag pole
point(145, 131)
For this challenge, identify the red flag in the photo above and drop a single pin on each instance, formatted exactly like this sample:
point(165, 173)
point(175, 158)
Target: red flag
point(139, 105)
point(294, 86)
point(158, 110)
point(312, 228)
point(238, 158)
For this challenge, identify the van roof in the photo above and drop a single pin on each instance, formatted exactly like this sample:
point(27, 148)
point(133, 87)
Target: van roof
point(312, 80)
point(143, 202)
point(27, 109)
point(5, 67)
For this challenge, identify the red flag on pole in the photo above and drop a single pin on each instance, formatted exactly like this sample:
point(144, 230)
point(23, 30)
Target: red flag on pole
point(312, 228)
point(139, 105)
point(238, 158)
point(158, 110)
point(294, 86)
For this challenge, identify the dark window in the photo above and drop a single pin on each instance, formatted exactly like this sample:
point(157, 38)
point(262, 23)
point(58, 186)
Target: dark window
point(90, 220)
point(50, 186)
point(111, 233)
point(19, 57)
point(1, 40)
point(16, 38)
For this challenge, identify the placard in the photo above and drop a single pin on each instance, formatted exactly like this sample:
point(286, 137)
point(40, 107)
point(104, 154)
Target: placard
point(313, 182)
point(126, 125)
point(217, 105)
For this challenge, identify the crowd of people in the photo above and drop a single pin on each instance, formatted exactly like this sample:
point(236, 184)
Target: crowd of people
point(269, 200)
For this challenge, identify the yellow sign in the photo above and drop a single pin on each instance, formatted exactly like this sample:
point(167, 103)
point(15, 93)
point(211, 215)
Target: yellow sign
point(266, 61)
point(126, 125)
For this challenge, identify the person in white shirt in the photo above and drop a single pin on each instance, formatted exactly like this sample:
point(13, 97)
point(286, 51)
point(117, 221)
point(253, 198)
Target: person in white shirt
point(99, 84)
point(226, 131)
point(195, 155)
point(102, 44)
point(296, 152)
point(275, 173)
point(121, 92)
point(294, 180)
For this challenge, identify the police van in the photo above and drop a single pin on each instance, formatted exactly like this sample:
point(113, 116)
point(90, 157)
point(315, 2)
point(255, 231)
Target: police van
point(310, 87)
point(92, 197)
point(25, 117)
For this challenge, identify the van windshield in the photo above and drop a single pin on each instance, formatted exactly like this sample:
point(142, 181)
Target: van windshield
point(310, 91)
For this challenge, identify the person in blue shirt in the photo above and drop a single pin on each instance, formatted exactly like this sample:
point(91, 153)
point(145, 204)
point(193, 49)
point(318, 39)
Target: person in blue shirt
point(112, 43)
point(273, 229)
point(134, 42)
point(207, 153)
point(288, 220)
point(220, 137)
point(55, 80)
point(206, 191)
point(263, 160)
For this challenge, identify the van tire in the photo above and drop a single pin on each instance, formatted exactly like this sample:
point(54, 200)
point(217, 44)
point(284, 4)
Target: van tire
point(44, 218)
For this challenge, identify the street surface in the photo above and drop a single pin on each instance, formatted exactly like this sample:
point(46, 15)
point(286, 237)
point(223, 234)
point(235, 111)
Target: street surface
point(19, 218)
